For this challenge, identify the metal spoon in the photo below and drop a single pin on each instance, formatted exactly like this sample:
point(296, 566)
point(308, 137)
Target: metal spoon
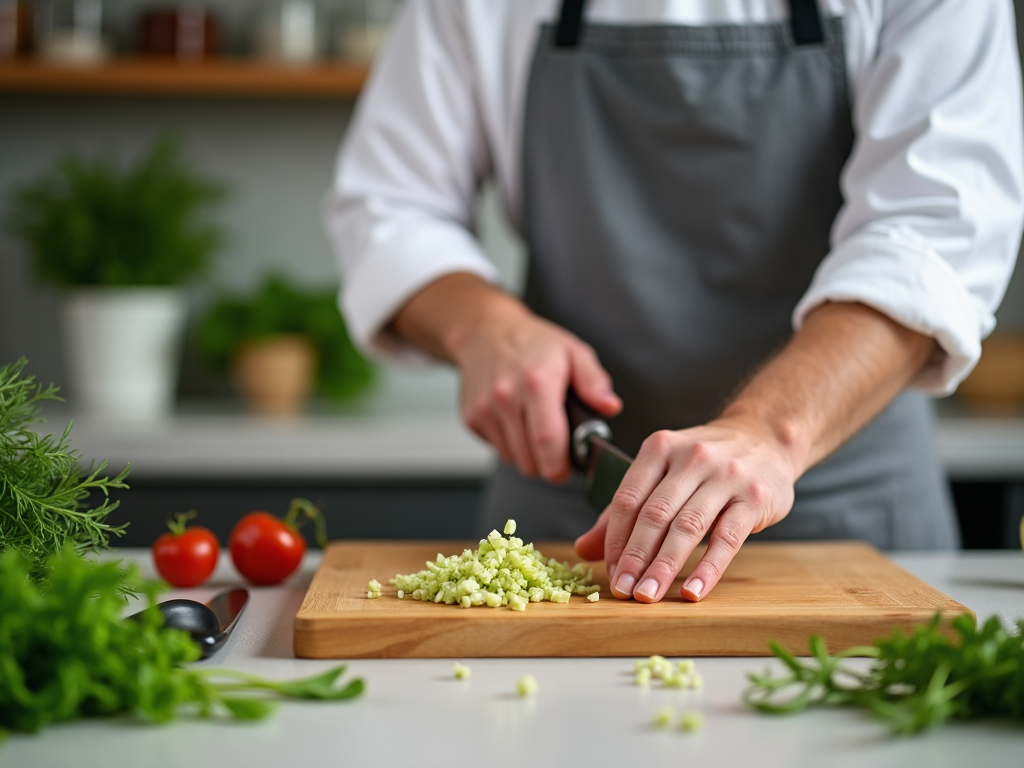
point(210, 624)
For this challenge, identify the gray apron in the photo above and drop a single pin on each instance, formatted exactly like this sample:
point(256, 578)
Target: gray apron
point(679, 187)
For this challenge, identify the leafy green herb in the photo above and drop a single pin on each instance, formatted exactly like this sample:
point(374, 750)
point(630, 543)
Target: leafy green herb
point(90, 222)
point(42, 486)
point(66, 653)
point(279, 307)
point(916, 681)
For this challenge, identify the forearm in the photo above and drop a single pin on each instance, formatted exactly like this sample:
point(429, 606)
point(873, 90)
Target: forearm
point(438, 318)
point(838, 371)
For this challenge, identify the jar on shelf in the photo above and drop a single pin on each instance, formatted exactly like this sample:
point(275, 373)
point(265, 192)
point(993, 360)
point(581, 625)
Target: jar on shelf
point(186, 31)
point(363, 27)
point(71, 31)
point(15, 28)
point(289, 31)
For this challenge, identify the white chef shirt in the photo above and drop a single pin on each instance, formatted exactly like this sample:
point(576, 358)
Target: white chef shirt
point(933, 203)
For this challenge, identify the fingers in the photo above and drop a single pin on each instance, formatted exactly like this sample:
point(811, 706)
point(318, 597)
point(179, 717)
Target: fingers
point(590, 546)
point(678, 490)
point(516, 400)
point(727, 536)
point(592, 382)
point(547, 427)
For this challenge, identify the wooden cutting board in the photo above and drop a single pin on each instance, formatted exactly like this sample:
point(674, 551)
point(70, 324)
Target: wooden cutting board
point(848, 592)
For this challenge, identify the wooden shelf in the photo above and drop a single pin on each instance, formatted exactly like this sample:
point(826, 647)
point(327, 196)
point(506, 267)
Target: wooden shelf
point(155, 77)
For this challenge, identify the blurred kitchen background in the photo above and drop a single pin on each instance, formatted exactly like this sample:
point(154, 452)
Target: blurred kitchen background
point(260, 94)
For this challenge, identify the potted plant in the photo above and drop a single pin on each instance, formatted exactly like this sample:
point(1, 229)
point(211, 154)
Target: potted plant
point(282, 343)
point(120, 242)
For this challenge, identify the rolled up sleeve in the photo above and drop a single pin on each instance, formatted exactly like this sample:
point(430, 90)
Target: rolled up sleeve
point(933, 203)
point(400, 212)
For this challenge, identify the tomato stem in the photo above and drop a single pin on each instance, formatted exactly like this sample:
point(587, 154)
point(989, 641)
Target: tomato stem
point(309, 511)
point(180, 521)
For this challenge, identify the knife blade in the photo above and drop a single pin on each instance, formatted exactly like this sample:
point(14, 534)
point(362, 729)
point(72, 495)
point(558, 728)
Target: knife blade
point(593, 451)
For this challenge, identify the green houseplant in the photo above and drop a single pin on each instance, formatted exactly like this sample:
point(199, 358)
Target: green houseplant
point(120, 240)
point(282, 317)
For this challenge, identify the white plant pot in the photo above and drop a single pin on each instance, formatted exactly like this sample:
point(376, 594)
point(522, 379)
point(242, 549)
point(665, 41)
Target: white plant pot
point(123, 346)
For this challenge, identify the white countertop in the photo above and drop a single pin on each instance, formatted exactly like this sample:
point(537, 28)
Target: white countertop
point(586, 711)
point(409, 428)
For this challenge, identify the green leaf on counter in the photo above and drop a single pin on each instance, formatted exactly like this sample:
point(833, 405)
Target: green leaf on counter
point(915, 682)
point(66, 654)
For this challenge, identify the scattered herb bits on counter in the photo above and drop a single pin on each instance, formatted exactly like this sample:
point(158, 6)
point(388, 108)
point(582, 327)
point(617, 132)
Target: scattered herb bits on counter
point(691, 720)
point(526, 686)
point(460, 671)
point(916, 681)
point(665, 717)
point(681, 675)
point(501, 571)
point(66, 653)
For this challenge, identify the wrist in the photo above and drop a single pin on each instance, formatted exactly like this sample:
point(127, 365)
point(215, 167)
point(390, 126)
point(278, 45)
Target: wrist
point(788, 437)
point(480, 310)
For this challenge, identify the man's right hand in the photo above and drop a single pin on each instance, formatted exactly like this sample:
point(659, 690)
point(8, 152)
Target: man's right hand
point(516, 369)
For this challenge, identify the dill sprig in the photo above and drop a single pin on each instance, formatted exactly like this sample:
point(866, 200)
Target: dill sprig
point(43, 487)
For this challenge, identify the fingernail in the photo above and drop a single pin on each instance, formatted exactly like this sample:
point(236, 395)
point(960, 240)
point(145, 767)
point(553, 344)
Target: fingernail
point(694, 587)
point(624, 586)
point(648, 589)
point(611, 574)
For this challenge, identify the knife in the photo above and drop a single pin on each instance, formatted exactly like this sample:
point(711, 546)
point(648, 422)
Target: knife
point(592, 451)
point(210, 623)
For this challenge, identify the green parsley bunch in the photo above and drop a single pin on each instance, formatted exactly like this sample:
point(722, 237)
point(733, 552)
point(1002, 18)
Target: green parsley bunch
point(66, 653)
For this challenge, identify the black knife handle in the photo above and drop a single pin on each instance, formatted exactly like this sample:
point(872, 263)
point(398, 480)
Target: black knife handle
point(584, 423)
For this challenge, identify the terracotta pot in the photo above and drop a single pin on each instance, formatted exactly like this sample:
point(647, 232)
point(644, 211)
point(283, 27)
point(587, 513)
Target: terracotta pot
point(275, 375)
point(998, 379)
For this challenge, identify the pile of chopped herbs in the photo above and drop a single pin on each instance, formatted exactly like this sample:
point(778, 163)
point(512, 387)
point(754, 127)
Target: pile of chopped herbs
point(66, 653)
point(43, 488)
point(502, 571)
point(915, 682)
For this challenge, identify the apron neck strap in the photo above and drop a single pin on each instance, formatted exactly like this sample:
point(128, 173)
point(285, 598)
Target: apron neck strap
point(804, 18)
point(570, 21)
point(805, 21)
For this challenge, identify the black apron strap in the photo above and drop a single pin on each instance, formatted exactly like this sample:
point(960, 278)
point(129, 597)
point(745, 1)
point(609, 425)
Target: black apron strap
point(804, 18)
point(806, 22)
point(570, 21)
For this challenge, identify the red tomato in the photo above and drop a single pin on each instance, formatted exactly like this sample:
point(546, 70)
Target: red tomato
point(185, 557)
point(266, 549)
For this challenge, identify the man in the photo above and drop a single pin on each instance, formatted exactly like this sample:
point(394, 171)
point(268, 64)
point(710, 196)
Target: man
point(751, 226)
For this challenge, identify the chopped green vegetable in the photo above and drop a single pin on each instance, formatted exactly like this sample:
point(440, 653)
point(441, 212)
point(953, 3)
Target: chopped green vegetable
point(916, 681)
point(510, 527)
point(682, 675)
point(373, 589)
point(663, 717)
point(42, 487)
point(461, 671)
point(643, 676)
point(527, 685)
point(691, 721)
point(593, 597)
point(66, 653)
point(500, 572)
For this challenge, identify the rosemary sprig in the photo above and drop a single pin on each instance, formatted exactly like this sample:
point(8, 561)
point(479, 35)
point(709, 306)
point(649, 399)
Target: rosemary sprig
point(43, 488)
